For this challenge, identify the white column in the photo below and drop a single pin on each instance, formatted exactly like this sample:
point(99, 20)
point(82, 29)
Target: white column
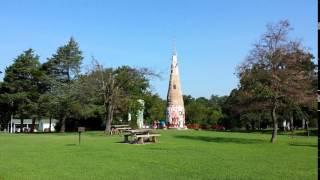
point(14, 128)
point(11, 127)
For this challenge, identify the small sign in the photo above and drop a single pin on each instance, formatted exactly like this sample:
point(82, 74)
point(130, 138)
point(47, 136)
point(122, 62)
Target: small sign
point(81, 129)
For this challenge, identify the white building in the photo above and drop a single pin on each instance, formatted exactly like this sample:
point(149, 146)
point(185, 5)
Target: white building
point(15, 125)
point(42, 125)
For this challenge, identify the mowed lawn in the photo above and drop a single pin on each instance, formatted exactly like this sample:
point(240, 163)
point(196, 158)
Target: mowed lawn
point(181, 155)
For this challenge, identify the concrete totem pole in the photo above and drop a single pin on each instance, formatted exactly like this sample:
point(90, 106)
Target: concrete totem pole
point(175, 114)
point(140, 114)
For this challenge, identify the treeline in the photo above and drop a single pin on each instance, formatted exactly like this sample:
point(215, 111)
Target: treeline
point(278, 83)
point(56, 89)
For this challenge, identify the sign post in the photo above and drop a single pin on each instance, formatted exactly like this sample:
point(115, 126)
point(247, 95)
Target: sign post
point(80, 130)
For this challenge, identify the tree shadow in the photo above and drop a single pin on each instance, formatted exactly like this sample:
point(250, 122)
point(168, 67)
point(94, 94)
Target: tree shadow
point(223, 139)
point(71, 144)
point(303, 144)
point(121, 142)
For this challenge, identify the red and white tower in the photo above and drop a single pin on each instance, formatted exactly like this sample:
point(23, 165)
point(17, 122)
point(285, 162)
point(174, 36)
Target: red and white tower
point(175, 114)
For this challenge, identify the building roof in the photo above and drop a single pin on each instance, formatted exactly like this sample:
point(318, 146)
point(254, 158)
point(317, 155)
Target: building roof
point(29, 121)
point(48, 120)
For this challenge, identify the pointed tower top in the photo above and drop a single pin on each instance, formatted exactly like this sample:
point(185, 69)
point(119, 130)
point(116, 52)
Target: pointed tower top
point(174, 47)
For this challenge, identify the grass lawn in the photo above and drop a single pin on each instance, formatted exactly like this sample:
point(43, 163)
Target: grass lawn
point(178, 155)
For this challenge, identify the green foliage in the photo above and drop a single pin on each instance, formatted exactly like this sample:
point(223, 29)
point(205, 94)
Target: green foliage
point(64, 65)
point(113, 91)
point(277, 76)
point(63, 69)
point(155, 108)
point(202, 110)
point(23, 84)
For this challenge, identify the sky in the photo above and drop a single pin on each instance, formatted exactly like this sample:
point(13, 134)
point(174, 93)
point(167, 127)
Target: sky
point(211, 36)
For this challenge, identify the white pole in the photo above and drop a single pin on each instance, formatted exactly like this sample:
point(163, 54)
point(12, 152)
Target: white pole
point(11, 123)
point(11, 117)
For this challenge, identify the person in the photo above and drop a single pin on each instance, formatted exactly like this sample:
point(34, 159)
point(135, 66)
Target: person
point(154, 124)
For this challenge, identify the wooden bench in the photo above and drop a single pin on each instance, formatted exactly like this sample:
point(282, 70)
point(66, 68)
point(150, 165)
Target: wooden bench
point(140, 138)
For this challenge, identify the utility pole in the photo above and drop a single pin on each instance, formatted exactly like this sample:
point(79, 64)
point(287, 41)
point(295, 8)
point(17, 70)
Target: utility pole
point(11, 128)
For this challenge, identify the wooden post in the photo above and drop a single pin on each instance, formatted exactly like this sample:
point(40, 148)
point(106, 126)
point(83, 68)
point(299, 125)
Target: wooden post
point(79, 137)
point(80, 130)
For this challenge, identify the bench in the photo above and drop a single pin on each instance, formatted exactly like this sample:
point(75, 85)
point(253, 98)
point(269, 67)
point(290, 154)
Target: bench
point(140, 138)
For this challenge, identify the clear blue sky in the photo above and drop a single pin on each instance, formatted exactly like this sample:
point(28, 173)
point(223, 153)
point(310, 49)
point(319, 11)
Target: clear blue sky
point(212, 36)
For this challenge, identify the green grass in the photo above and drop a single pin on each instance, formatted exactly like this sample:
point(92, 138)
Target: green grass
point(178, 155)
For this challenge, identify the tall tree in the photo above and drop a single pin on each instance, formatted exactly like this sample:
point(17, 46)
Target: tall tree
point(275, 71)
point(22, 85)
point(63, 68)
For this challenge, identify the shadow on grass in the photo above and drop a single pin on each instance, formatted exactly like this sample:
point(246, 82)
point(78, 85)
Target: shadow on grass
point(223, 139)
point(313, 132)
point(96, 134)
point(303, 144)
point(71, 144)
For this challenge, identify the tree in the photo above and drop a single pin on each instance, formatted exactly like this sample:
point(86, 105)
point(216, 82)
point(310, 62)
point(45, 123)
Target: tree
point(116, 88)
point(231, 110)
point(155, 107)
point(22, 85)
point(63, 69)
point(275, 71)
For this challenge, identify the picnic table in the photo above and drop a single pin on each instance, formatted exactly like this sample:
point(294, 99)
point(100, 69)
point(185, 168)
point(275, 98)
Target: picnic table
point(120, 125)
point(139, 136)
point(118, 129)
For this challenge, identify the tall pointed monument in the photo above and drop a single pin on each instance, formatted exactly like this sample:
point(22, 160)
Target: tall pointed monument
point(175, 114)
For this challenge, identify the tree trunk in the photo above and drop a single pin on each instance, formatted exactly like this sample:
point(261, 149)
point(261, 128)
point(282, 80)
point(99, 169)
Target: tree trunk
point(307, 125)
point(291, 122)
point(33, 124)
point(50, 118)
point(275, 124)
point(21, 125)
point(109, 119)
point(303, 123)
point(63, 123)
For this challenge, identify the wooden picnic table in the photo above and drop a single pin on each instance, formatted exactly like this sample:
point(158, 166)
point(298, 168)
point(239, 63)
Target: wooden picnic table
point(120, 125)
point(118, 129)
point(139, 136)
point(121, 130)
